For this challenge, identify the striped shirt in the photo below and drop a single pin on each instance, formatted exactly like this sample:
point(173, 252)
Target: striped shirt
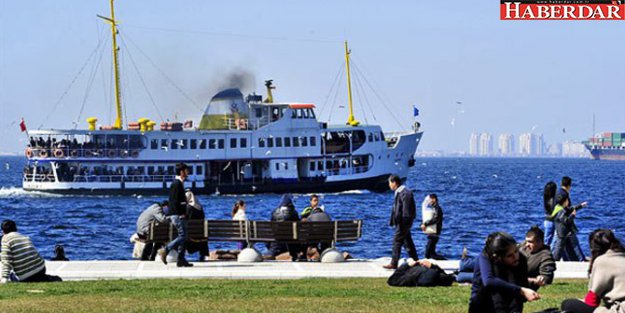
point(20, 256)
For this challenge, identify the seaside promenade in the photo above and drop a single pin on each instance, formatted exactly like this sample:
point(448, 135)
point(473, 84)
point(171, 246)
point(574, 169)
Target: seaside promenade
point(105, 270)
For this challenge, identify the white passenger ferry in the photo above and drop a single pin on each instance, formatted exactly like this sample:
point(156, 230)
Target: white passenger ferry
point(242, 145)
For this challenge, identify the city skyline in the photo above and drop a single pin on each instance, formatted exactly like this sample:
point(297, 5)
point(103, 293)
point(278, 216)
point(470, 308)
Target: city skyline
point(527, 145)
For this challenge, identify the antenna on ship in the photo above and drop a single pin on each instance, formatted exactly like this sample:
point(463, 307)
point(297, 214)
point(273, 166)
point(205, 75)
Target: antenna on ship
point(118, 102)
point(351, 120)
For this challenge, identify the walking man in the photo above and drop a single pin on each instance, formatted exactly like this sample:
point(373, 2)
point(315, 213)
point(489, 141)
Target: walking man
point(574, 251)
point(432, 225)
point(178, 217)
point(402, 217)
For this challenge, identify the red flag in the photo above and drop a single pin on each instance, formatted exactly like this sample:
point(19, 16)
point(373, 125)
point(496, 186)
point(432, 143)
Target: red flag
point(23, 126)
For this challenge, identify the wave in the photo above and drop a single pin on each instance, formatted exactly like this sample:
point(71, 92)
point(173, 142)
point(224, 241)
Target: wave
point(16, 192)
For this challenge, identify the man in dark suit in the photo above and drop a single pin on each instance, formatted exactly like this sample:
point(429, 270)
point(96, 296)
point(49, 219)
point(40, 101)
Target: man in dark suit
point(178, 217)
point(402, 217)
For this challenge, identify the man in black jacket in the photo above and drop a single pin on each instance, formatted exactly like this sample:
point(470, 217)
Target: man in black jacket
point(178, 217)
point(402, 217)
point(436, 219)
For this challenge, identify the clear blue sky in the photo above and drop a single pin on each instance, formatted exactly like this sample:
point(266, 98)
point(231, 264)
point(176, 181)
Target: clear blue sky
point(510, 76)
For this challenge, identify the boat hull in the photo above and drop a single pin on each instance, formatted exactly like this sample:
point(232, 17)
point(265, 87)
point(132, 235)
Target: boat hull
point(607, 154)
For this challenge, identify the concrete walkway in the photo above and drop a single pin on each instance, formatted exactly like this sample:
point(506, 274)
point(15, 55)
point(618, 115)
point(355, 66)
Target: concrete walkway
point(95, 270)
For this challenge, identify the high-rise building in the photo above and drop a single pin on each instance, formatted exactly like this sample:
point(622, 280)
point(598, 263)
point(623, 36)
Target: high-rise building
point(525, 144)
point(574, 149)
point(473, 144)
point(506, 145)
point(486, 144)
point(531, 144)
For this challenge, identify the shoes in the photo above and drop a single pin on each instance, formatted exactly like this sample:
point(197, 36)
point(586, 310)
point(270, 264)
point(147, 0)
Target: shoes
point(183, 263)
point(390, 266)
point(162, 253)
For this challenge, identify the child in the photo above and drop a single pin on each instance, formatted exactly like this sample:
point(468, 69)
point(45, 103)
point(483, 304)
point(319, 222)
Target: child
point(238, 214)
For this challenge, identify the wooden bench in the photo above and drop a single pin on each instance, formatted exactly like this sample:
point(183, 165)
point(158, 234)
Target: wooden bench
point(260, 231)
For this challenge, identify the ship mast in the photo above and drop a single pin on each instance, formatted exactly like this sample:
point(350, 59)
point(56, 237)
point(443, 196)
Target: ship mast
point(350, 120)
point(118, 102)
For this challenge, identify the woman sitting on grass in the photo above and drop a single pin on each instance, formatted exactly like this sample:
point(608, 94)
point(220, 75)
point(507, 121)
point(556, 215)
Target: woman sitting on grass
point(607, 276)
point(500, 277)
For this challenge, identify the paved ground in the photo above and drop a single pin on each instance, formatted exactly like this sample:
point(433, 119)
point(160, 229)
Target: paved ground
point(93, 270)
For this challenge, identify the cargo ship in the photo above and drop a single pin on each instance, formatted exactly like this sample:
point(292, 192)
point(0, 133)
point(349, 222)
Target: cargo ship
point(242, 145)
point(607, 146)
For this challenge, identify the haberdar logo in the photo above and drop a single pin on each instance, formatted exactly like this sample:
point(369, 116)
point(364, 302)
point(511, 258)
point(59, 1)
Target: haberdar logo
point(562, 10)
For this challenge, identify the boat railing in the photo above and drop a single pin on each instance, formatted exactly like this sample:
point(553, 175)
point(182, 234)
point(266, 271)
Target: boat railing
point(69, 152)
point(39, 177)
point(347, 171)
point(125, 178)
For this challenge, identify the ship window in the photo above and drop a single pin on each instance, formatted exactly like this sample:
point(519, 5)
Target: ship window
point(377, 137)
point(184, 144)
point(320, 165)
point(199, 170)
point(293, 113)
point(312, 166)
point(164, 144)
point(313, 141)
point(261, 142)
point(150, 170)
point(270, 142)
point(277, 166)
point(243, 143)
point(154, 144)
point(279, 142)
point(212, 143)
point(328, 165)
point(286, 165)
point(370, 137)
point(221, 143)
point(295, 142)
point(275, 114)
point(299, 113)
point(190, 170)
point(170, 170)
point(312, 113)
point(259, 112)
point(304, 141)
point(287, 141)
point(174, 144)
point(382, 136)
point(193, 144)
point(305, 113)
point(202, 143)
point(233, 142)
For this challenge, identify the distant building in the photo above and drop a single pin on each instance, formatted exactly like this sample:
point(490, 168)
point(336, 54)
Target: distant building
point(574, 149)
point(555, 150)
point(531, 144)
point(473, 144)
point(486, 144)
point(506, 145)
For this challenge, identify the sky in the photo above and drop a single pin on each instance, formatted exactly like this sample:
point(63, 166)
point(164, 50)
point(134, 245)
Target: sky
point(466, 70)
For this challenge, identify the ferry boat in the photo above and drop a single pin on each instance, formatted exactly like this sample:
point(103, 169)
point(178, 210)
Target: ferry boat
point(242, 145)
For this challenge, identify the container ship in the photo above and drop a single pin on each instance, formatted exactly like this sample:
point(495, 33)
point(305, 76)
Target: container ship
point(243, 144)
point(607, 146)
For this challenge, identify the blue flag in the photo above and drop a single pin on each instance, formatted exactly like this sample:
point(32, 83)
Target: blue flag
point(415, 111)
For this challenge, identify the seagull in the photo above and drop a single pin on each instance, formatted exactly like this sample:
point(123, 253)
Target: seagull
point(453, 121)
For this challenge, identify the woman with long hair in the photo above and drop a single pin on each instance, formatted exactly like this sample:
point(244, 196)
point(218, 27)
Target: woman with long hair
point(607, 276)
point(238, 214)
point(500, 277)
point(549, 202)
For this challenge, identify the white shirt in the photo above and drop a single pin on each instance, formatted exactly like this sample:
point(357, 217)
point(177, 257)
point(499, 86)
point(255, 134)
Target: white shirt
point(399, 189)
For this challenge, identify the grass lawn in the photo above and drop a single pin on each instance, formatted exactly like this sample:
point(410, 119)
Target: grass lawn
point(305, 295)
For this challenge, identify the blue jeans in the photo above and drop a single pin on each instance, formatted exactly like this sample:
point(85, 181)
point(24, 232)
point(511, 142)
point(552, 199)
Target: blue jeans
point(549, 229)
point(568, 248)
point(466, 268)
point(178, 242)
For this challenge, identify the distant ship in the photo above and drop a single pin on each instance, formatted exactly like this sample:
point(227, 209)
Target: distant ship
point(242, 145)
point(608, 146)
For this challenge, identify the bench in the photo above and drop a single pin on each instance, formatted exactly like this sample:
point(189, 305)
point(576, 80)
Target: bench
point(260, 231)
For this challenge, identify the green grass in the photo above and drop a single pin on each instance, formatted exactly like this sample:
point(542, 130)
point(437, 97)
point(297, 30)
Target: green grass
point(306, 295)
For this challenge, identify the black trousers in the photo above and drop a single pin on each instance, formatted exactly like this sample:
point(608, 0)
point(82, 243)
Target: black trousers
point(496, 302)
point(41, 277)
point(403, 237)
point(430, 247)
point(576, 306)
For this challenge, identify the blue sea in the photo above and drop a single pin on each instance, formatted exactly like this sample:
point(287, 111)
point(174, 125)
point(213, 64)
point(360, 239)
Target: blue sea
point(478, 196)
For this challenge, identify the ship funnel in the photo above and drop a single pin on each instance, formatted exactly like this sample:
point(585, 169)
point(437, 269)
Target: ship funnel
point(224, 109)
point(269, 85)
